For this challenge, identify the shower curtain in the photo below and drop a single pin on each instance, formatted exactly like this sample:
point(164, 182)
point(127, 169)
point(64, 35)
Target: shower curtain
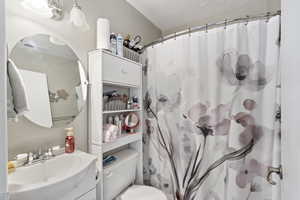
point(213, 113)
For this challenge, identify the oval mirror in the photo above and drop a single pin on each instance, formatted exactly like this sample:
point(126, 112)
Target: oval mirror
point(54, 80)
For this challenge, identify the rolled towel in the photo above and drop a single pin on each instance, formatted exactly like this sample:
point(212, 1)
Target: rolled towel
point(11, 166)
point(17, 96)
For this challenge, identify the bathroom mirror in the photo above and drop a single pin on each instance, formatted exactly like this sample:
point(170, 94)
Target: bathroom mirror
point(132, 121)
point(54, 80)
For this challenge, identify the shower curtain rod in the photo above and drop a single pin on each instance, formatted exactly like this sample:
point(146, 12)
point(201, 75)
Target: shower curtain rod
point(206, 27)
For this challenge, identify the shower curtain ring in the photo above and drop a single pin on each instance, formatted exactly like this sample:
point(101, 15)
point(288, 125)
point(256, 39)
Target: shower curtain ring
point(225, 24)
point(268, 16)
point(206, 28)
point(190, 31)
point(247, 20)
point(162, 40)
point(175, 35)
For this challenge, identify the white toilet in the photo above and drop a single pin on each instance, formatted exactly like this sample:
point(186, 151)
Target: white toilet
point(119, 177)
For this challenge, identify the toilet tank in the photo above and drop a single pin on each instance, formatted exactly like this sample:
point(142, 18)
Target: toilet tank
point(120, 174)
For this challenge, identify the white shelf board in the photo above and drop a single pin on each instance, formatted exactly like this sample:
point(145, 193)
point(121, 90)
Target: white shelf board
point(121, 111)
point(119, 84)
point(121, 141)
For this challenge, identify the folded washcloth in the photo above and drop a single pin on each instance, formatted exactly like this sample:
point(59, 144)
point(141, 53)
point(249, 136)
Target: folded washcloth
point(17, 100)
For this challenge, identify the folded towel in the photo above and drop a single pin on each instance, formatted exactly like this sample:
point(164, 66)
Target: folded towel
point(17, 97)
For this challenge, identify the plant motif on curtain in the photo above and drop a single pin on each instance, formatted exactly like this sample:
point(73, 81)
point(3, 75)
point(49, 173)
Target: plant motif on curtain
point(240, 72)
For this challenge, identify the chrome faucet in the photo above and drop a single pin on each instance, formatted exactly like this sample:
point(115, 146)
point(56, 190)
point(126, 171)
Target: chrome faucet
point(39, 157)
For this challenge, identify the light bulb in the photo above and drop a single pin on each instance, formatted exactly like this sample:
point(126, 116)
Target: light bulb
point(78, 19)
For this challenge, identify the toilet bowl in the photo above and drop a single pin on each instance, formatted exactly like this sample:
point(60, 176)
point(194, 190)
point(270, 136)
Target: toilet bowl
point(140, 192)
point(119, 176)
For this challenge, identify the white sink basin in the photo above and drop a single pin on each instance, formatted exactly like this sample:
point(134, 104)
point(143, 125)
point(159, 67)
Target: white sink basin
point(64, 177)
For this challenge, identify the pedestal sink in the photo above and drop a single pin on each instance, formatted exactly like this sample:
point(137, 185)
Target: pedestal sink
point(65, 177)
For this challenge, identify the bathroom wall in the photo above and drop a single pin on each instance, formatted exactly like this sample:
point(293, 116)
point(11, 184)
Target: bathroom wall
point(290, 99)
point(3, 125)
point(25, 136)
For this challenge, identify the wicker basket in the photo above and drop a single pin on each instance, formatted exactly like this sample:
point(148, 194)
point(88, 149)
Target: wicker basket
point(131, 55)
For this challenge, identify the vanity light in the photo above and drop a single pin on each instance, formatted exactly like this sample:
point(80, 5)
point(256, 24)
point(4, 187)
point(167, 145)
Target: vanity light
point(53, 9)
point(47, 8)
point(78, 18)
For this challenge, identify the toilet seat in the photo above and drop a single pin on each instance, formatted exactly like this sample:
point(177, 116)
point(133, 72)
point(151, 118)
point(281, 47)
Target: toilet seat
point(138, 192)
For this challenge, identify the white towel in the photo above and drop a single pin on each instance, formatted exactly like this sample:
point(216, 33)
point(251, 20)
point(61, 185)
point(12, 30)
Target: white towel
point(16, 91)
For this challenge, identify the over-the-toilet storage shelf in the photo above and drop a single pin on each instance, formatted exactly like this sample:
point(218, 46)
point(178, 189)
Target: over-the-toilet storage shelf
point(108, 70)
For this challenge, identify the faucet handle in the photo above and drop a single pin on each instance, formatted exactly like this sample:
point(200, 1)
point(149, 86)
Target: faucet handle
point(40, 151)
point(50, 152)
point(30, 158)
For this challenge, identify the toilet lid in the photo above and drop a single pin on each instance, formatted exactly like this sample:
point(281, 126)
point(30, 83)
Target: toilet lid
point(138, 192)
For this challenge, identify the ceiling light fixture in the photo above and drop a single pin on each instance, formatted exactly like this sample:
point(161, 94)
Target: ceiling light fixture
point(46, 8)
point(78, 18)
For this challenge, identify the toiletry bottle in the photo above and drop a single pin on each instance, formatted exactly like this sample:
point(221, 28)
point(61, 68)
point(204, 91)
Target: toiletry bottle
point(126, 41)
point(119, 125)
point(113, 43)
point(70, 140)
point(120, 45)
point(135, 101)
point(110, 120)
point(129, 104)
point(122, 118)
point(137, 39)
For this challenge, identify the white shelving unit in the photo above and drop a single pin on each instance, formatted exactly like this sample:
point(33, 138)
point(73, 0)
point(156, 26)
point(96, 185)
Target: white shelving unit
point(121, 141)
point(108, 71)
point(121, 111)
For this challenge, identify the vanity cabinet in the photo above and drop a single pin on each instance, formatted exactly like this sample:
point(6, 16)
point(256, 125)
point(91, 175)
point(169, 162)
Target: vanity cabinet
point(108, 72)
point(89, 196)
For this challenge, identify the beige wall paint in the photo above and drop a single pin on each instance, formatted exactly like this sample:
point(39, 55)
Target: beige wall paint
point(290, 60)
point(3, 110)
point(25, 136)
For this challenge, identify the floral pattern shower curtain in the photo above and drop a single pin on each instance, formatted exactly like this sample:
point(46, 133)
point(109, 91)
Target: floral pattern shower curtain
point(213, 113)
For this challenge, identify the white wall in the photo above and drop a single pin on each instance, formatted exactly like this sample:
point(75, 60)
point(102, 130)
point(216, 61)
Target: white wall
point(291, 98)
point(3, 131)
point(25, 136)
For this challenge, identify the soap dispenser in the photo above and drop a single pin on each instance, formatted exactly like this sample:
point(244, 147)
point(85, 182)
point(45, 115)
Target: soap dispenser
point(70, 140)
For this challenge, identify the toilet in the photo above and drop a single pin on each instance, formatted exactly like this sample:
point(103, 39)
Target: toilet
point(137, 192)
point(119, 177)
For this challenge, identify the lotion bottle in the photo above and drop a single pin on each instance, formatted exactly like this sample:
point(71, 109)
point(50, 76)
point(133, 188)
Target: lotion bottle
point(120, 45)
point(113, 43)
point(70, 140)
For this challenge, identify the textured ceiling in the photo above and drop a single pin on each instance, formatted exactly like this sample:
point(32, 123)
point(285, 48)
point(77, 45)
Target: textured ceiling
point(175, 15)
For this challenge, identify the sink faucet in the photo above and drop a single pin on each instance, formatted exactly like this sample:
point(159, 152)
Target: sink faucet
point(39, 156)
